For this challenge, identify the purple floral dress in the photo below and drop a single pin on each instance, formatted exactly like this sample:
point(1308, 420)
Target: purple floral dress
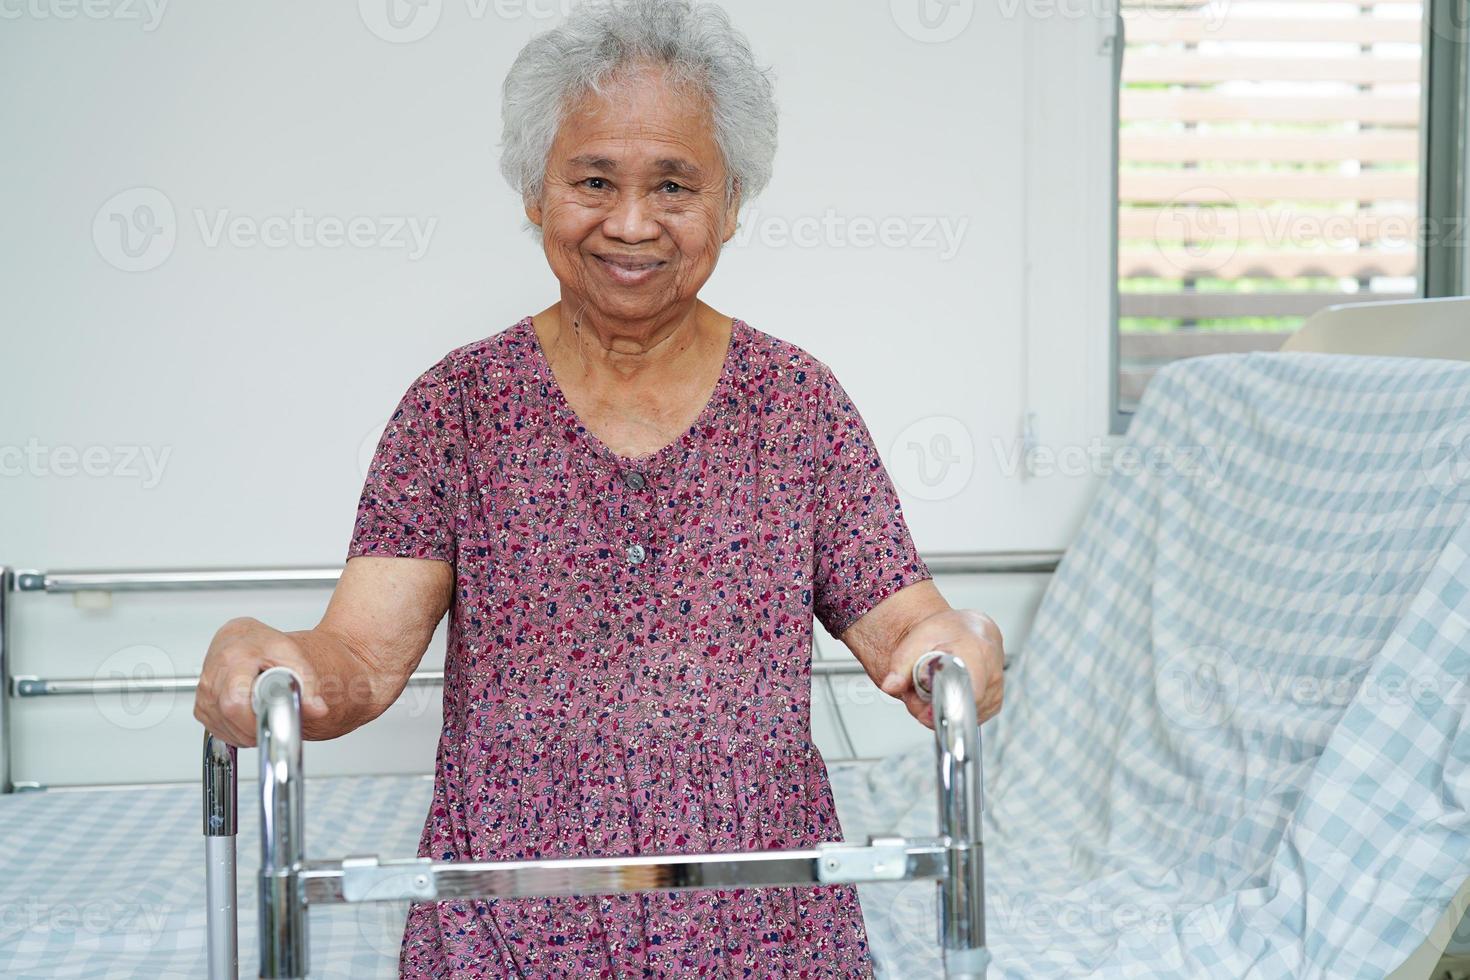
point(628, 665)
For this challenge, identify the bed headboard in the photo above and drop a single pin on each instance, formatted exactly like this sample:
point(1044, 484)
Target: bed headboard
point(1396, 328)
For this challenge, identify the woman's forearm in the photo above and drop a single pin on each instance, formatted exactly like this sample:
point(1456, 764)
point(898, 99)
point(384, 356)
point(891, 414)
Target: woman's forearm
point(355, 689)
point(353, 664)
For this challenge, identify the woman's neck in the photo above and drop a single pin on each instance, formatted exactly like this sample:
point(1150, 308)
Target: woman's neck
point(600, 351)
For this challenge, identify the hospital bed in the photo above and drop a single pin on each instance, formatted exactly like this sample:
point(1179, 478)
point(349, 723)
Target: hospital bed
point(105, 880)
point(158, 827)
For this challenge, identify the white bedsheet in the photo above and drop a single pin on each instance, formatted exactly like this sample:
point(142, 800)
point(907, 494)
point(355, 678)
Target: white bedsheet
point(110, 883)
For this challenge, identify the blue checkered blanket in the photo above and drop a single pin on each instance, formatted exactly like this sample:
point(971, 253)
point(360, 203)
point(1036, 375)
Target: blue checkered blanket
point(1237, 742)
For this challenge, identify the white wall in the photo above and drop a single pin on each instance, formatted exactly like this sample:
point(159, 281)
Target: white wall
point(224, 395)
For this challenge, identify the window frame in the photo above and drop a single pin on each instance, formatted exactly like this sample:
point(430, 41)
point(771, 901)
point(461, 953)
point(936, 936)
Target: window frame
point(1444, 171)
point(1445, 102)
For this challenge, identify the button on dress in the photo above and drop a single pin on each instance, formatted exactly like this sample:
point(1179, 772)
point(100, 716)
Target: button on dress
point(628, 668)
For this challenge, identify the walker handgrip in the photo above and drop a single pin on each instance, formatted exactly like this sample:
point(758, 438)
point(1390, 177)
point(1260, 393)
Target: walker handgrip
point(272, 682)
point(220, 827)
point(943, 679)
point(924, 672)
point(276, 698)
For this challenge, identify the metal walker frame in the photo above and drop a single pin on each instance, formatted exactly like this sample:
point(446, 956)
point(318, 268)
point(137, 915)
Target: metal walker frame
point(289, 884)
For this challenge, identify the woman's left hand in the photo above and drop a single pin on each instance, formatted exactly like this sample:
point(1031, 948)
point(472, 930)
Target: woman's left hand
point(973, 637)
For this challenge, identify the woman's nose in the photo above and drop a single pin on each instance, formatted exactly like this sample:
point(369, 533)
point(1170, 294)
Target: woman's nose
point(631, 219)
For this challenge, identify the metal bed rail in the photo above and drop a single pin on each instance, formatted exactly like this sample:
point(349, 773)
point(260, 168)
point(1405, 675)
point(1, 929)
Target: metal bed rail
point(77, 583)
point(290, 884)
point(227, 579)
point(215, 579)
point(174, 580)
point(30, 686)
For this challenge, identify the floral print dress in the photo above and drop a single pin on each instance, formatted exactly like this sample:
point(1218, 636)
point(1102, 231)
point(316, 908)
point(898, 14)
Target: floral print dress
point(629, 653)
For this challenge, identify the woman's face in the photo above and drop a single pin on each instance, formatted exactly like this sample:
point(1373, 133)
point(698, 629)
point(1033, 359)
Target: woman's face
point(634, 213)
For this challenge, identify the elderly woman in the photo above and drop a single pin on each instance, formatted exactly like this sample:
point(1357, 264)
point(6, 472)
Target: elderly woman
point(631, 505)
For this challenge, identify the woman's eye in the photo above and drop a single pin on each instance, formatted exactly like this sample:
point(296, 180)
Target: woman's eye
point(670, 186)
point(594, 183)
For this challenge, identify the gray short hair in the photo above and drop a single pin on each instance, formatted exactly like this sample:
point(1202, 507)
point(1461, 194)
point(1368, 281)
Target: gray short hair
point(695, 43)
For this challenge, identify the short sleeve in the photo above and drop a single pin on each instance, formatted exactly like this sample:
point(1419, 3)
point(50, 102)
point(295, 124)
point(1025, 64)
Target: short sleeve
point(864, 552)
point(411, 496)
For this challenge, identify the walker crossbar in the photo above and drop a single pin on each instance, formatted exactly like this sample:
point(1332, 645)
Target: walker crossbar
point(290, 884)
point(367, 879)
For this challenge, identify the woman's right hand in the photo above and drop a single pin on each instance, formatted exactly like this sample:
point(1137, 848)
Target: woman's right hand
point(238, 653)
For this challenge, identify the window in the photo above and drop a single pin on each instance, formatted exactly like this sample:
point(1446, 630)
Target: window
point(1268, 166)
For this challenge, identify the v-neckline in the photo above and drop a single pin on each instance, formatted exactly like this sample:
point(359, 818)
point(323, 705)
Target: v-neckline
point(706, 417)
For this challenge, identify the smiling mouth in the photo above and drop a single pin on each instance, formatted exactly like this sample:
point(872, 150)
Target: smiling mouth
point(628, 265)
